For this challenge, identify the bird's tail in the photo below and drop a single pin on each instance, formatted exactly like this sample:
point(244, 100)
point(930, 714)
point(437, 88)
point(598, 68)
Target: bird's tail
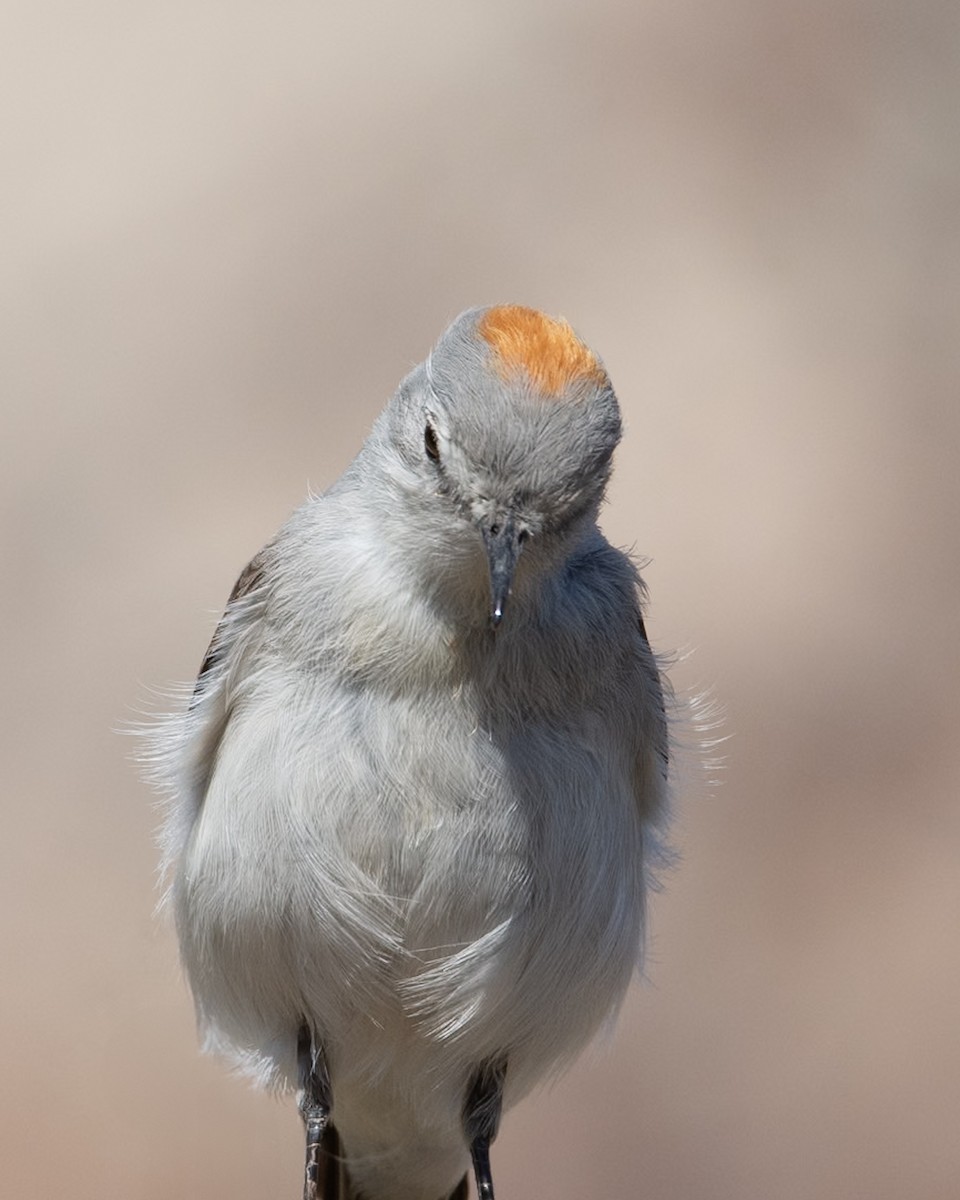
point(333, 1180)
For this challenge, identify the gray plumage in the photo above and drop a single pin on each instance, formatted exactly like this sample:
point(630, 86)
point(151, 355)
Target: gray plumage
point(421, 827)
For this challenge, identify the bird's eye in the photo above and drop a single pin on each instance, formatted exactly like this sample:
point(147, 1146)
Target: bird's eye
point(430, 443)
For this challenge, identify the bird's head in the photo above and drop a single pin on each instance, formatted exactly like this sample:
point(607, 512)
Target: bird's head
point(509, 426)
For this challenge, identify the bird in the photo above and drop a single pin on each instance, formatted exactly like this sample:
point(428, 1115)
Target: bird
point(420, 791)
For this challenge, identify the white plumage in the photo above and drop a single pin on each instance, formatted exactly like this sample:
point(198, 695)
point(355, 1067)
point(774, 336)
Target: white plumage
point(424, 835)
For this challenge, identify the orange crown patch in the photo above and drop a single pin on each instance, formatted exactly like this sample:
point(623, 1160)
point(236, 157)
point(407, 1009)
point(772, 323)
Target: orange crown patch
point(548, 351)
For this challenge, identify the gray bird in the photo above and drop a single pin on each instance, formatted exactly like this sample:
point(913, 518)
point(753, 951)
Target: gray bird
point(417, 794)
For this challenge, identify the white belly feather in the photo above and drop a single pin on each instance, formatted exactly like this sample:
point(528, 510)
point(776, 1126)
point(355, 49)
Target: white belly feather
point(422, 911)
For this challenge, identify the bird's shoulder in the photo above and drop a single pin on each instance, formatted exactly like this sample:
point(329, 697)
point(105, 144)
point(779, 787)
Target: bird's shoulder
point(600, 596)
point(610, 596)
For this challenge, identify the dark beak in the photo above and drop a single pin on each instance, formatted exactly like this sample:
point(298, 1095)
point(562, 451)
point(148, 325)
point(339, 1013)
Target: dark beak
point(502, 540)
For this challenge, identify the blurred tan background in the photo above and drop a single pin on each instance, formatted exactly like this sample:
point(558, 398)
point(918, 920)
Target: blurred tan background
point(229, 228)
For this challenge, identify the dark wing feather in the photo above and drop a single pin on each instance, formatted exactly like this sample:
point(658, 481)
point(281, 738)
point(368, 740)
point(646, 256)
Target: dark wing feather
point(250, 578)
point(660, 733)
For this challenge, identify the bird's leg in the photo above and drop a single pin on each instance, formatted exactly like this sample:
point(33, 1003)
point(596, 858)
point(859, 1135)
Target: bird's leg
point(314, 1106)
point(481, 1117)
point(480, 1153)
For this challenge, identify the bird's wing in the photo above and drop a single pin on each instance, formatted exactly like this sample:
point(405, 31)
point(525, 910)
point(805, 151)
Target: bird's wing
point(653, 758)
point(183, 748)
point(237, 613)
point(658, 730)
point(223, 670)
